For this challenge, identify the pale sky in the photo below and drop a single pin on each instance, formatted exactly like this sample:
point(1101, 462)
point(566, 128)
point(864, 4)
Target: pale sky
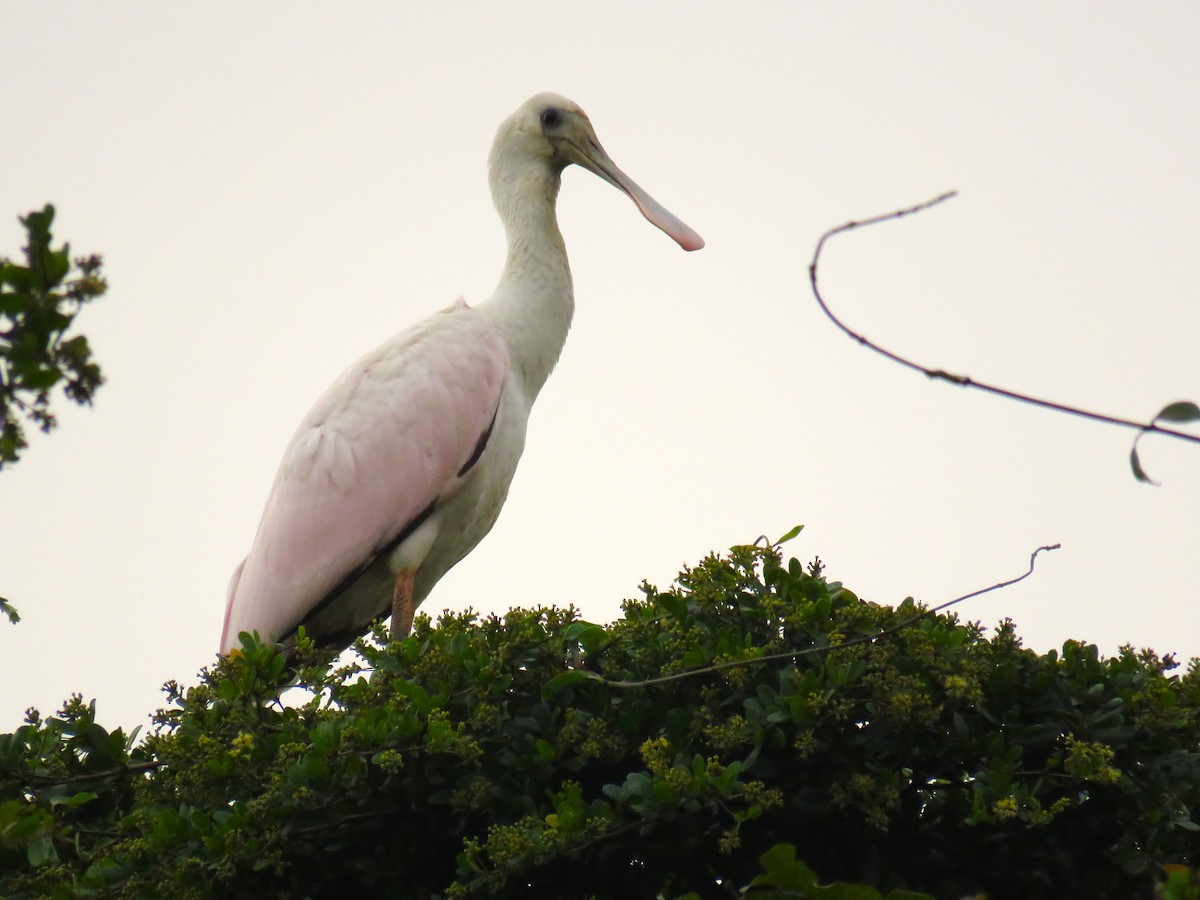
point(277, 188)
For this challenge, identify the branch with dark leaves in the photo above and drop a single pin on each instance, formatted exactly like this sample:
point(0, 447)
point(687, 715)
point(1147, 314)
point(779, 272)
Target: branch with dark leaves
point(1178, 412)
point(38, 305)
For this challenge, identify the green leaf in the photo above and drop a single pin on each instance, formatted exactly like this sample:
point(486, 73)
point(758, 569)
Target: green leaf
point(77, 799)
point(563, 681)
point(794, 879)
point(227, 690)
point(693, 658)
point(10, 304)
point(783, 870)
point(56, 263)
point(1136, 464)
point(39, 379)
point(414, 692)
point(592, 638)
point(787, 537)
point(41, 852)
point(1180, 411)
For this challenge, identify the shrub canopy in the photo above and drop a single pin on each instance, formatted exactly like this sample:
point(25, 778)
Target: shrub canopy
point(718, 734)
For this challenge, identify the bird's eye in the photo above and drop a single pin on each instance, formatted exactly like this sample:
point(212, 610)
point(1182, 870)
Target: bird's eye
point(550, 117)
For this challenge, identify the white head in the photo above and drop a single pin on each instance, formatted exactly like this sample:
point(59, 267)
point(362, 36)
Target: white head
point(551, 132)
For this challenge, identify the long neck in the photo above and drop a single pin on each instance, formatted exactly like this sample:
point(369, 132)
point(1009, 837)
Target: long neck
point(533, 303)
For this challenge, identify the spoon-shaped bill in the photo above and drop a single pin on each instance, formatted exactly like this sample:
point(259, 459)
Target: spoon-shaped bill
point(593, 158)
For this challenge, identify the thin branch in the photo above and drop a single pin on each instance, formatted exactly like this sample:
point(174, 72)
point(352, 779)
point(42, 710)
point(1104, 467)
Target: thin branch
point(41, 781)
point(348, 819)
point(952, 378)
point(828, 648)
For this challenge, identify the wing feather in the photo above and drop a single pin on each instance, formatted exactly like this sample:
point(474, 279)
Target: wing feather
point(387, 440)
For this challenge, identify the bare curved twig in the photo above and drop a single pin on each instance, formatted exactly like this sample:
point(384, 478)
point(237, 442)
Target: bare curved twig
point(965, 380)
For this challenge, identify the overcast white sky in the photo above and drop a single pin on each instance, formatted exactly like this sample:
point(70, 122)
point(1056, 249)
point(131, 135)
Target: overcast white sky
point(276, 188)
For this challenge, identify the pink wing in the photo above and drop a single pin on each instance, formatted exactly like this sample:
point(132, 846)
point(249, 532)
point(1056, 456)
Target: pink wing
point(385, 441)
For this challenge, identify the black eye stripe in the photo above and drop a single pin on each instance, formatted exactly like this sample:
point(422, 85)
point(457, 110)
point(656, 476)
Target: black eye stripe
point(550, 117)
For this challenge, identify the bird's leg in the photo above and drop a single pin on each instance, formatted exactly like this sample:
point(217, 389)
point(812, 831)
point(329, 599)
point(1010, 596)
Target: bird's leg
point(403, 607)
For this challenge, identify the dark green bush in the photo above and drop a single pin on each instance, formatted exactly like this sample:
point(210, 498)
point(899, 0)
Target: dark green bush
point(539, 755)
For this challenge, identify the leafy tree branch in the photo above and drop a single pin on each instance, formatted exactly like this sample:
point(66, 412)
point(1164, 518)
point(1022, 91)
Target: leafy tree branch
point(38, 305)
point(9, 611)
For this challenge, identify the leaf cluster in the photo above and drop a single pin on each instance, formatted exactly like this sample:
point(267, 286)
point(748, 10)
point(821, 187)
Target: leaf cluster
point(540, 755)
point(38, 304)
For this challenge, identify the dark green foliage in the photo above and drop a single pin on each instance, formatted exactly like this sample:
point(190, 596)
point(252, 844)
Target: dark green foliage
point(38, 303)
point(544, 756)
point(787, 877)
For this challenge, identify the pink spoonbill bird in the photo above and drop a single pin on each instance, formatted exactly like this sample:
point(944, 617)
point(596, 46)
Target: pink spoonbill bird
point(402, 466)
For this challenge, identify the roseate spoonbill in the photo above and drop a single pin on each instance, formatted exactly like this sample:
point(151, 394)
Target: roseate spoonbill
point(403, 465)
